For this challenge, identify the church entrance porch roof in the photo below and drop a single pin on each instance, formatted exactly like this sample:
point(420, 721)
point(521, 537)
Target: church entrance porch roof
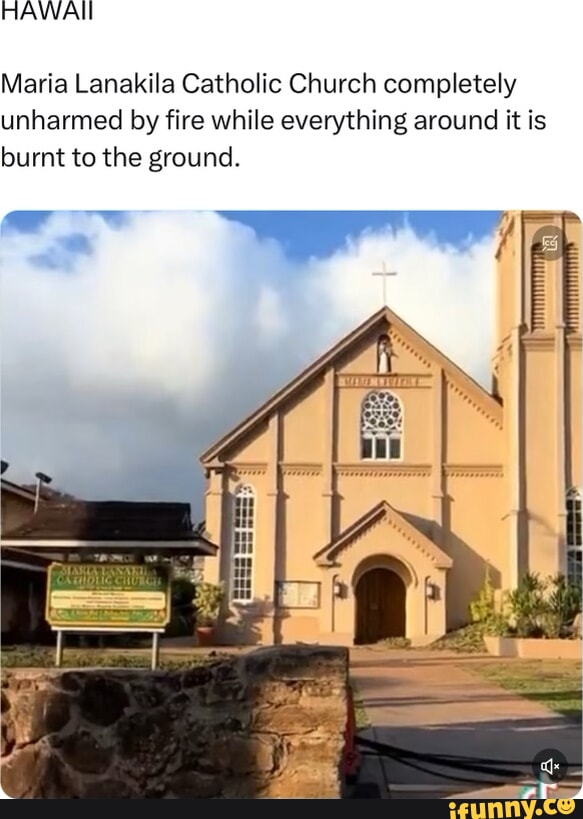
point(383, 510)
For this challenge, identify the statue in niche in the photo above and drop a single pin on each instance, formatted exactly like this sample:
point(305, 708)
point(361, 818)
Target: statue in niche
point(385, 351)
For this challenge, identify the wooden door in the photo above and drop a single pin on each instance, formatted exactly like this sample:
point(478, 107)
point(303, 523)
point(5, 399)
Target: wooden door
point(380, 606)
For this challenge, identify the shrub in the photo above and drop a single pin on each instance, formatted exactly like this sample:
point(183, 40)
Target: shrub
point(468, 640)
point(538, 607)
point(528, 605)
point(551, 625)
point(544, 607)
point(183, 591)
point(485, 613)
point(396, 642)
point(484, 606)
point(182, 617)
point(564, 599)
point(207, 601)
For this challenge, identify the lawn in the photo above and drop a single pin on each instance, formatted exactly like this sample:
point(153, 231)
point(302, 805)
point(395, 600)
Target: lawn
point(44, 657)
point(554, 683)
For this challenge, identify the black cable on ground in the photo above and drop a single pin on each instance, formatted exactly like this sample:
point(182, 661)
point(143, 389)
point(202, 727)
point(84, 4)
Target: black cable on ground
point(484, 782)
point(401, 755)
point(486, 760)
point(448, 760)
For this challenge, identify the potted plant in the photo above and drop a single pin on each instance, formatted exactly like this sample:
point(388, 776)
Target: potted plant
point(207, 602)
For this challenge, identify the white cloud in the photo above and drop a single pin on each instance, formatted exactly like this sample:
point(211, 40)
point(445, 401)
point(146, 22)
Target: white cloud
point(270, 315)
point(121, 364)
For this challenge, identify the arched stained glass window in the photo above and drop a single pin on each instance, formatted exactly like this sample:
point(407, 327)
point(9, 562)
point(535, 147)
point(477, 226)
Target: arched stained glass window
point(381, 427)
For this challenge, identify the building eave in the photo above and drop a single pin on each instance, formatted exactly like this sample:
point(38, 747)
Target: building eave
point(186, 546)
point(14, 489)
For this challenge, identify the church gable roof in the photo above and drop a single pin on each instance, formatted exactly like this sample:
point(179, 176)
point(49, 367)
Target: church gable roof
point(481, 399)
point(327, 555)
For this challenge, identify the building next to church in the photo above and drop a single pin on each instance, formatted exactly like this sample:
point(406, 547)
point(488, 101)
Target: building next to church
point(368, 498)
point(23, 575)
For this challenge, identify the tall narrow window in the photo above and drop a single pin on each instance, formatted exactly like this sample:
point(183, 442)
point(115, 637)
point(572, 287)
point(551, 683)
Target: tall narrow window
point(243, 545)
point(381, 427)
point(574, 535)
point(538, 285)
point(572, 288)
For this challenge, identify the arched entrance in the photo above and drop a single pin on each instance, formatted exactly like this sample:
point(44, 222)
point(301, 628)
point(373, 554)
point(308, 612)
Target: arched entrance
point(380, 606)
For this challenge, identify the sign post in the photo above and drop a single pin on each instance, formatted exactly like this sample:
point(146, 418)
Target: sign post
point(108, 597)
point(59, 653)
point(155, 650)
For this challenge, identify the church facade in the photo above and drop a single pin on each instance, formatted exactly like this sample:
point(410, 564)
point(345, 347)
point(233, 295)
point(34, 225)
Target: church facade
point(369, 497)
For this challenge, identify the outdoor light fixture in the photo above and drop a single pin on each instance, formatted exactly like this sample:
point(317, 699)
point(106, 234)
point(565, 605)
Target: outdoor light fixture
point(338, 588)
point(5, 466)
point(430, 590)
point(40, 478)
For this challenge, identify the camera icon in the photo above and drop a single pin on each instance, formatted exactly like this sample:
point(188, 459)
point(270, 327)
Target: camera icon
point(550, 241)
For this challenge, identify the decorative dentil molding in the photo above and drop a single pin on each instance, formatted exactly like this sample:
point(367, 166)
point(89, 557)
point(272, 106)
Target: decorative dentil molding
point(381, 470)
point(286, 468)
point(473, 470)
point(399, 340)
point(248, 468)
point(384, 520)
point(301, 469)
point(367, 469)
point(477, 405)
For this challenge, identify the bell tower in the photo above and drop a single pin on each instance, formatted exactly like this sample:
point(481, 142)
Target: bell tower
point(537, 378)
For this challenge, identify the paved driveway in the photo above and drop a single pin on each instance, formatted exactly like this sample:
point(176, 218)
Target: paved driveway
point(423, 701)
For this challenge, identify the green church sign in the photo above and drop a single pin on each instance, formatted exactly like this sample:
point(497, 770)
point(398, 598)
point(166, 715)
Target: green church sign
point(108, 595)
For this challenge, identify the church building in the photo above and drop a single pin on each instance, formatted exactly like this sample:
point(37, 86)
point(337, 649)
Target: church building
point(369, 497)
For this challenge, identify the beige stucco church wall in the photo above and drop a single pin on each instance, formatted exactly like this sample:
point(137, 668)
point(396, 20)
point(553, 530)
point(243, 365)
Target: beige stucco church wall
point(575, 369)
point(480, 484)
point(307, 519)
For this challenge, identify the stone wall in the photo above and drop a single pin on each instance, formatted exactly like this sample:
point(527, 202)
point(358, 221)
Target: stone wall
point(269, 724)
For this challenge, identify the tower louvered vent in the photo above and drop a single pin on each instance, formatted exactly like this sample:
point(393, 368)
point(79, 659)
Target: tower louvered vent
point(572, 287)
point(538, 278)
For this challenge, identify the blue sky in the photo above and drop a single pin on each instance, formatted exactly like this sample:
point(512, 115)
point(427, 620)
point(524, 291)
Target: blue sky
point(132, 341)
point(314, 233)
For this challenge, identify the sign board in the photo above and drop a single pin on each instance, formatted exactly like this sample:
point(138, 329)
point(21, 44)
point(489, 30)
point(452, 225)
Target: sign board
point(382, 382)
point(298, 595)
point(111, 595)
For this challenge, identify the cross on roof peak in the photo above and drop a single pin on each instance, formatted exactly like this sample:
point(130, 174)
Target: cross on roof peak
point(385, 274)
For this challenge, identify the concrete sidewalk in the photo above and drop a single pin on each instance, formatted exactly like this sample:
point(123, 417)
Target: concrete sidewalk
point(423, 701)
